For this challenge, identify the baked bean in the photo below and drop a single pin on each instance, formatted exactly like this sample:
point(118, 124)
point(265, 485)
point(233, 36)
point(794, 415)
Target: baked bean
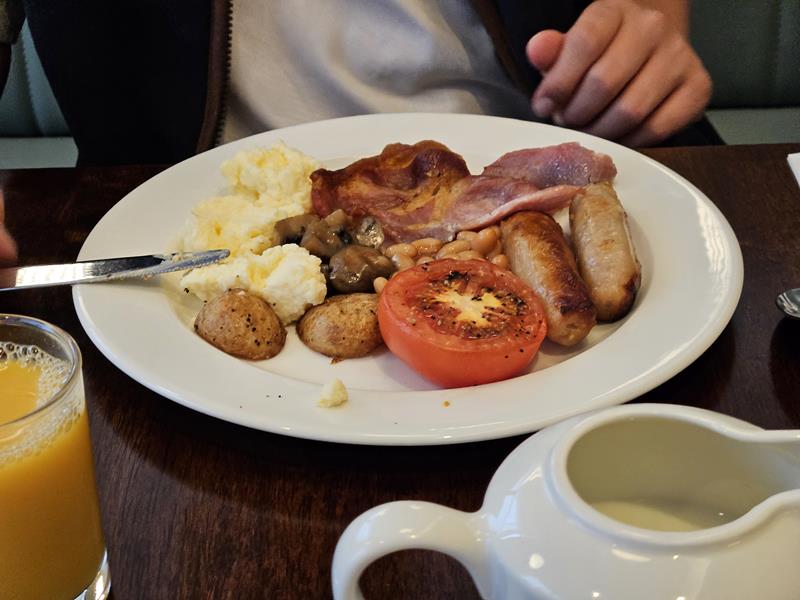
point(453, 248)
point(498, 249)
point(427, 246)
point(470, 255)
point(379, 283)
point(402, 262)
point(466, 235)
point(484, 241)
point(424, 259)
point(407, 249)
point(501, 260)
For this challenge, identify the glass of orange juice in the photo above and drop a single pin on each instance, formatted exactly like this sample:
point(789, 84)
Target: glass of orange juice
point(51, 542)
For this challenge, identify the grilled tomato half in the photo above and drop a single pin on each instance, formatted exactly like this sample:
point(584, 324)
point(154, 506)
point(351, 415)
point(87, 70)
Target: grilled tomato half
point(461, 322)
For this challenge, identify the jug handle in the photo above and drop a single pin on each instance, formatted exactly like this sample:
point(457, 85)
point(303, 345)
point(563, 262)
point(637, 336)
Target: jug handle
point(406, 525)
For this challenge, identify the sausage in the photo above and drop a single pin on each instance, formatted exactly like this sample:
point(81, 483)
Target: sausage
point(539, 255)
point(604, 250)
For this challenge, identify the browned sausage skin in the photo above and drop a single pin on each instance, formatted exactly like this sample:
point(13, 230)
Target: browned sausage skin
point(539, 255)
point(604, 250)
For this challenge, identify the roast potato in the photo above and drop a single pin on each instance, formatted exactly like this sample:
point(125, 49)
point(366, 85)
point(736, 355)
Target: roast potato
point(242, 325)
point(343, 326)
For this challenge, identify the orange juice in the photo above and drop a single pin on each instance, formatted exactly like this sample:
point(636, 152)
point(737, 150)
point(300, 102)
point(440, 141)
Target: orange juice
point(19, 384)
point(51, 544)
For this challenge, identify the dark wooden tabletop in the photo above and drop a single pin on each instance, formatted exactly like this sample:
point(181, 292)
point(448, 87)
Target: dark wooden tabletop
point(194, 507)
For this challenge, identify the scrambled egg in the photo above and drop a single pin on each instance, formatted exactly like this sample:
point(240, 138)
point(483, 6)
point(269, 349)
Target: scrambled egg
point(274, 176)
point(333, 394)
point(287, 277)
point(233, 222)
point(267, 185)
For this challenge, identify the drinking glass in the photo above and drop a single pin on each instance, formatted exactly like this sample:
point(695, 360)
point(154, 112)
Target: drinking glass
point(51, 542)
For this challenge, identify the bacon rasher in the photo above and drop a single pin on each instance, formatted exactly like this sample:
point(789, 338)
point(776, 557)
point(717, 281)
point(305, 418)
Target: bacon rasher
point(426, 190)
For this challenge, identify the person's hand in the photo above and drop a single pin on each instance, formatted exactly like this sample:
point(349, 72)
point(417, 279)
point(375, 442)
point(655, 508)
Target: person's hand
point(8, 247)
point(622, 72)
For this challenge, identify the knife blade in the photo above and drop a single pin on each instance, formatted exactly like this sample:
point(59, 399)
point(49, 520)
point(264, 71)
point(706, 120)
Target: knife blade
point(109, 269)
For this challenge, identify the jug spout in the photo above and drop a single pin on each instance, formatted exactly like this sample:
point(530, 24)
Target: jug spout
point(776, 455)
point(784, 443)
point(660, 472)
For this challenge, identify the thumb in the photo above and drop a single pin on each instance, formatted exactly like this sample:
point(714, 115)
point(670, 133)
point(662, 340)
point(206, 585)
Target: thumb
point(543, 49)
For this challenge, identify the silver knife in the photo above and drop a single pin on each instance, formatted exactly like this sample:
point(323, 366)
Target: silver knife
point(109, 269)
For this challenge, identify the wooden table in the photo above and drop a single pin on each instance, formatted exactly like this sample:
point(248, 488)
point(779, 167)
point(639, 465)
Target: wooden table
point(194, 507)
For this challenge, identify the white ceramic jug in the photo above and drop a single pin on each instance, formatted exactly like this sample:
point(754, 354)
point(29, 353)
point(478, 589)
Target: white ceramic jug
point(646, 501)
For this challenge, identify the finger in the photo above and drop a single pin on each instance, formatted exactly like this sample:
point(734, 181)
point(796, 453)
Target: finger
point(583, 44)
point(8, 247)
point(657, 79)
point(684, 106)
point(543, 49)
point(633, 45)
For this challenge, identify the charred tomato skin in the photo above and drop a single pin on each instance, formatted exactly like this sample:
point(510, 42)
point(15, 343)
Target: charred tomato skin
point(441, 341)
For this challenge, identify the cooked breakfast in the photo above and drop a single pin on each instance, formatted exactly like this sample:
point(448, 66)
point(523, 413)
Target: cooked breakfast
point(461, 323)
point(539, 254)
point(482, 245)
point(355, 269)
point(604, 249)
point(287, 277)
point(242, 325)
point(460, 275)
point(426, 190)
point(343, 326)
point(266, 186)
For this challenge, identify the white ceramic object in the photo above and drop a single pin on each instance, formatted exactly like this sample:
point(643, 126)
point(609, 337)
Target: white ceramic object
point(692, 278)
point(537, 535)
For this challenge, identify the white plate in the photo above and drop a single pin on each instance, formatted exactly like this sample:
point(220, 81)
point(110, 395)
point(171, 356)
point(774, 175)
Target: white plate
point(692, 278)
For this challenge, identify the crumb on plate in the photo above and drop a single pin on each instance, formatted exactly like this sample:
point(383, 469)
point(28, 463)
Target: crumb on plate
point(333, 394)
